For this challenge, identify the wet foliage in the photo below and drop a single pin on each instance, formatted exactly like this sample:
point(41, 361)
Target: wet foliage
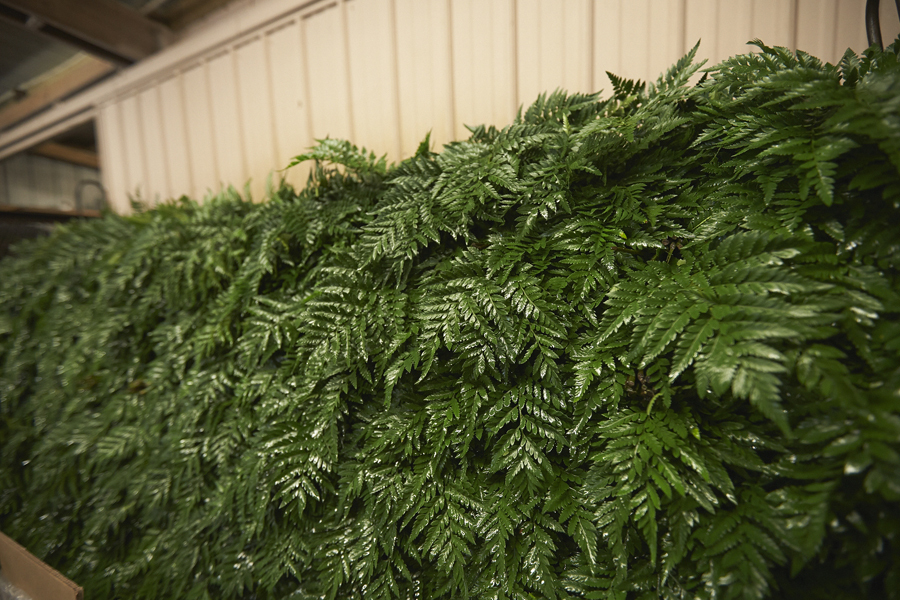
point(645, 346)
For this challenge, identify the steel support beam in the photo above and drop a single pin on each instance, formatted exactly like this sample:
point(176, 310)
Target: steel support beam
point(106, 28)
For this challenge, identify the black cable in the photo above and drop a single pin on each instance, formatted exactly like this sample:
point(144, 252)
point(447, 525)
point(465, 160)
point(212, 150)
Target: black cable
point(873, 21)
point(873, 24)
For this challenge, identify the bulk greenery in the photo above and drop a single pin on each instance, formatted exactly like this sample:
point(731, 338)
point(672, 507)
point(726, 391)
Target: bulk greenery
point(641, 347)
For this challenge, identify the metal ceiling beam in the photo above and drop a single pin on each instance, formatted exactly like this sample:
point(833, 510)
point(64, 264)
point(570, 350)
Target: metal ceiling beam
point(107, 28)
point(69, 154)
point(80, 73)
point(186, 12)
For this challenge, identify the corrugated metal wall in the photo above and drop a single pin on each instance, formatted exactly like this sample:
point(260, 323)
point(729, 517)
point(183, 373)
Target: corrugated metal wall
point(383, 73)
point(44, 183)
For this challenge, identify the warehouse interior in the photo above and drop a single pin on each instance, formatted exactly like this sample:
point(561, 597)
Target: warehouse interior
point(107, 102)
point(406, 299)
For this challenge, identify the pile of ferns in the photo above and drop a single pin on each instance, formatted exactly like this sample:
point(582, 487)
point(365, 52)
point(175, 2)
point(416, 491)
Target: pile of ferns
point(638, 347)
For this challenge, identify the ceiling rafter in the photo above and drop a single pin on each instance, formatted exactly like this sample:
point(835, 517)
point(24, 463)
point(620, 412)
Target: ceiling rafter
point(81, 72)
point(69, 154)
point(108, 29)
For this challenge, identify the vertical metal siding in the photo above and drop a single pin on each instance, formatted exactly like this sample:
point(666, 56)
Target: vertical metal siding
point(325, 52)
point(40, 182)
point(18, 178)
point(772, 21)
point(132, 140)
point(607, 55)
point(289, 97)
point(44, 190)
point(227, 126)
point(255, 102)
point(157, 175)
point(826, 28)
point(373, 75)
point(553, 47)
point(174, 134)
point(666, 38)
point(201, 147)
point(424, 73)
point(890, 23)
point(848, 21)
point(112, 156)
point(735, 28)
point(383, 73)
point(816, 25)
point(634, 39)
point(484, 73)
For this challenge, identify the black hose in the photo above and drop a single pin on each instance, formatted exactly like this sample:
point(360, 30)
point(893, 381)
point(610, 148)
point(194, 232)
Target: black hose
point(873, 24)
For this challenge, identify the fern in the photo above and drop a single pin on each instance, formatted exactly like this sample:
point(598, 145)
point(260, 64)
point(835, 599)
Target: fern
point(644, 346)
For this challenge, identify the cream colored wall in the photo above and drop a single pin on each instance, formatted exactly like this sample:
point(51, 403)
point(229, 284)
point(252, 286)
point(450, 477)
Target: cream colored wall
point(382, 73)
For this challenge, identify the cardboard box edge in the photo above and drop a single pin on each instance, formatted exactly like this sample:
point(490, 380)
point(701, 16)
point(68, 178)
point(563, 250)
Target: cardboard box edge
point(32, 566)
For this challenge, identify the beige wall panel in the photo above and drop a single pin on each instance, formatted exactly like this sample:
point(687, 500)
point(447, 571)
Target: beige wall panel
point(174, 134)
point(553, 47)
point(255, 102)
point(734, 30)
point(850, 29)
point(634, 39)
point(841, 25)
point(725, 26)
point(773, 22)
point(607, 43)
point(373, 76)
point(325, 52)
point(483, 63)
point(701, 24)
point(227, 121)
point(532, 53)
point(665, 37)
point(136, 179)
point(289, 100)
point(890, 25)
point(199, 128)
point(850, 26)
point(382, 73)
point(816, 23)
point(577, 30)
point(157, 188)
point(424, 73)
point(112, 155)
